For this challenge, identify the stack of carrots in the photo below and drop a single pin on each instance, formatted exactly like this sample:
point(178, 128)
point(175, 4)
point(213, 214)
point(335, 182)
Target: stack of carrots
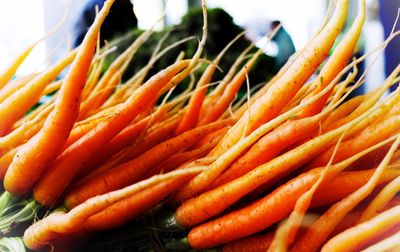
point(294, 165)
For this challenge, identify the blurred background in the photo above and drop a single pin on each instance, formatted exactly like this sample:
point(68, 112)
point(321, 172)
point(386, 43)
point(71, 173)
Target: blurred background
point(24, 21)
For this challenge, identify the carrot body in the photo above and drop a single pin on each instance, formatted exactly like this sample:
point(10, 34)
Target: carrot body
point(320, 230)
point(35, 156)
point(133, 170)
point(192, 113)
point(264, 212)
point(9, 72)
point(14, 85)
point(352, 238)
point(212, 202)
point(336, 62)
point(269, 146)
point(255, 243)
point(229, 93)
point(368, 137)
point(128, 209)
point(381, 200)
point(25, 132)
point(45, 231)
point(67, 165)
point(272, 102)
point(6, 160)
point(16, 105)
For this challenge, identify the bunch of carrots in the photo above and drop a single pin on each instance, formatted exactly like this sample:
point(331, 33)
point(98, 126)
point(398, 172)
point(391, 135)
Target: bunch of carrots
point(294, 166)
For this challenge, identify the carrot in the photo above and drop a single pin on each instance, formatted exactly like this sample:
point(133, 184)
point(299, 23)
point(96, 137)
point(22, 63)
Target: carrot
point(25, 132)
point(370, 99)
point(16, 105)
point(320, 230)
point(133, 170)
point(136, 80)
point(286, 233)
point(103, 89)
point(388, 244)
point(52, 87)
point(203, 180)
point(270, 145)
point(6, 160)
point(336, 62)
point(217, 91)
point(264, 212)
point(35, 112)
point(250, 244)
point(131, 207)
point(229, 93)
point(73, 158)
point(343, 110)
point(133, 135)
point(9, 72)
point(183, 157)
point(200, 208)
point(46, 191)
point(192, 113)
point(339, 188)
point(43, 232)
point(144, 143)
point(29, 164)
point(272, 102)
point(14, 85)
point(368, 137)
point(353, 238)
point(380, 201)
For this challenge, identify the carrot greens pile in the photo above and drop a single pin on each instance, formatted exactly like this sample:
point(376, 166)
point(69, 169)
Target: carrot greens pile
point(296, 165)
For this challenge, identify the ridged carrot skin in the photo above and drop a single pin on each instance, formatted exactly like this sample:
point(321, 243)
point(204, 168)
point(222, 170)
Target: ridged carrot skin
point(130, 172)
point(273, 208)
point(350, 239)
point(272, 102)
point(34, 157)
point(67, 165)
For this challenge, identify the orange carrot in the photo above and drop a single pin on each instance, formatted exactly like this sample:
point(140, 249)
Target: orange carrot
point(30, 162)
point(381, 200)
point(16, 105)
point(45, 231)
point(270, 145)
point(183, 157)
point(353, 238)
point(25, 132)
point(390, 243)
point(255, 243)
point(192, 113)
point(144, 143)
point(229, 93)
point(336, 62)
point(105, 86)
point(9, 72)
point(6, 160)
point(199, 209)
point(260, 214)
point(14, 85)
point(130, 172)
point(72, 159)
point(368, 137)
point(319, 231)
point(272, 102)
point(130, 208)
point(343, 110)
